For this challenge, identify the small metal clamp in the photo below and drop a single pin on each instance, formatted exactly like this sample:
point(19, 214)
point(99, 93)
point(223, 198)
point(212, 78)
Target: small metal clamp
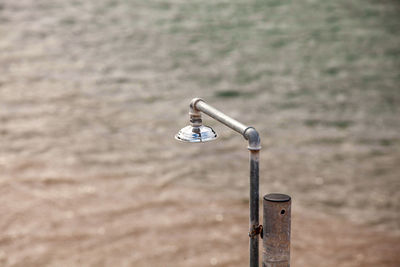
point(257, 230)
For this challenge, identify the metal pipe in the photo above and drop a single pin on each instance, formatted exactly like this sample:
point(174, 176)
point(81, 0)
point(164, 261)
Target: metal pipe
point(254, 209)
point(200, 105)
point(250, 134)
point(276, 230)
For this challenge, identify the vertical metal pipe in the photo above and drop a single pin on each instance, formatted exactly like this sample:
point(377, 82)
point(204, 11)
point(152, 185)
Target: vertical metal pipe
point(254, 198)
point(276, 230)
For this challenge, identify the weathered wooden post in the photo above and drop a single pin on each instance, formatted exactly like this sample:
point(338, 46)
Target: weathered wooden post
point(276, 230)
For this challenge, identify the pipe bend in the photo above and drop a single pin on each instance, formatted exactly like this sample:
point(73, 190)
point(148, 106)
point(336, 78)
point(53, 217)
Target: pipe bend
point(192, 106)
point(253, 137)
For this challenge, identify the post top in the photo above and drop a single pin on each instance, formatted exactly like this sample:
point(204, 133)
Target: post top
point(276, 197)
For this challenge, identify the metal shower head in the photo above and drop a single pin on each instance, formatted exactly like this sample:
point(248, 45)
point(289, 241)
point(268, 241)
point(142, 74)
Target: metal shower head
point(196, 134)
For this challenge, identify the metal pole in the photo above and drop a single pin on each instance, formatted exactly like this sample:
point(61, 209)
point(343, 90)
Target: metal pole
point(254, 209)
point(276, 230)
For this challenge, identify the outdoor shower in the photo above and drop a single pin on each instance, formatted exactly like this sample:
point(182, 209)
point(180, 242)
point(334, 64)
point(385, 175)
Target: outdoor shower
point(276, 232)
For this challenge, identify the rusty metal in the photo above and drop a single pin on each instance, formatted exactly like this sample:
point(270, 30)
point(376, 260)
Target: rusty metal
point(256, 231)
point(276, 230)
point(197, 106)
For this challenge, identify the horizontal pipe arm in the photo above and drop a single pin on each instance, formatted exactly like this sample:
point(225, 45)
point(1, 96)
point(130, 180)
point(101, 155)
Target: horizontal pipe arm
point(249, 133)
point(219, 116)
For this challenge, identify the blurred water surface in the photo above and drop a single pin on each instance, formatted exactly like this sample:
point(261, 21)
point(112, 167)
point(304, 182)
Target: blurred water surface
point(92, 93)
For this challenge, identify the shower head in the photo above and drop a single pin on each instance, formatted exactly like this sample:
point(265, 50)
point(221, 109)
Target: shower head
point(196, 134)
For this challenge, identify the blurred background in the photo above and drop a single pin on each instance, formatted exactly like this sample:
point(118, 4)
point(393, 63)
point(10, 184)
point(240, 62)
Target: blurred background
point(93, 92)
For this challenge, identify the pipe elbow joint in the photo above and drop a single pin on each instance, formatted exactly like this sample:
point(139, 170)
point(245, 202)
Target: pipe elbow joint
point(253, 137)
point(192, 106)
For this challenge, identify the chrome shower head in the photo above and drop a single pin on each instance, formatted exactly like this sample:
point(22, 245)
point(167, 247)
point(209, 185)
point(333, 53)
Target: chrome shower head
point(196, 134)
